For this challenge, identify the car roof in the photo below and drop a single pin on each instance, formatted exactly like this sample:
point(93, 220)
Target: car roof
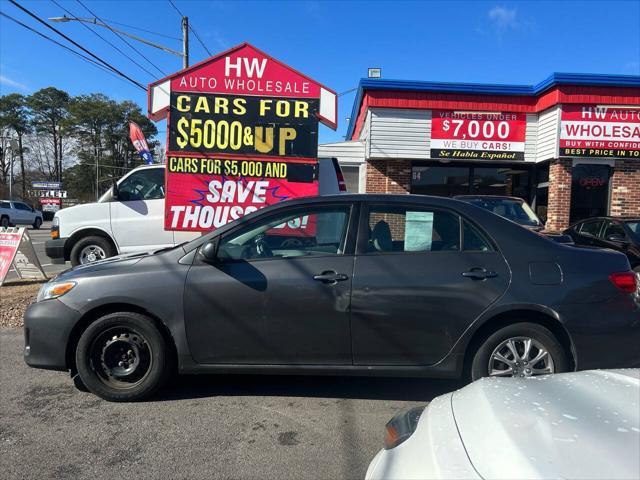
point(378, 197)
point(488, 197)
point(609, 217)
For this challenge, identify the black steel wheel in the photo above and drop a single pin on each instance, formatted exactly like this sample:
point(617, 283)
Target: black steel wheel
point(122, 357)
point(38, 223)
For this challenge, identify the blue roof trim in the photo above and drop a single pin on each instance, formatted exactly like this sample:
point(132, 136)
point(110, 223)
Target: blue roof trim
point(488, 88)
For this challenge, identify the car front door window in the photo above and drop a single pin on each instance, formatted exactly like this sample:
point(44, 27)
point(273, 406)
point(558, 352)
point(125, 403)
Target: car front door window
point(142, 185)
point(300, 233)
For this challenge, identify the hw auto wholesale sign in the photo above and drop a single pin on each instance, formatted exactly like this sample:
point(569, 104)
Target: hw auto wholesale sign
point(478, 135)
point(600, 131)
point(242, 134)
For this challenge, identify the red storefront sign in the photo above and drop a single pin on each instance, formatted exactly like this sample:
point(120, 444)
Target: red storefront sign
point(242, 132)
point(600, 131)
point(478, 135)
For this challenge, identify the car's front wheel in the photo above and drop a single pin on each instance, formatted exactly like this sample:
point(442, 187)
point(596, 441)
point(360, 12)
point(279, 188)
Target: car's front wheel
point(123, 357)
point(519, 350)
point(37, 223)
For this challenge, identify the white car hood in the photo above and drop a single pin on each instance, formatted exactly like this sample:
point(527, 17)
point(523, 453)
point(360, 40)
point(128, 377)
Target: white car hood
point(581, 425)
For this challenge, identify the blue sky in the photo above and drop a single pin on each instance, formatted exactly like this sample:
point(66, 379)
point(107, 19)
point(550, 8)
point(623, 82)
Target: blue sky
point(333, 42)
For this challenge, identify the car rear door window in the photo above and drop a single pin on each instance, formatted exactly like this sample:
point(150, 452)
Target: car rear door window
point(406, 229)
point(591, 229)
point(473, 240)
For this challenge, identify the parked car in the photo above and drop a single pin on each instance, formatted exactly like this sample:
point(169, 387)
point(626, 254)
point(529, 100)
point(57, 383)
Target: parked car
point(617, 233)
point(349, 284)
point(581, 425)
point(133, 220)
point(514, 209)
point(13, 212)
point(511, 208)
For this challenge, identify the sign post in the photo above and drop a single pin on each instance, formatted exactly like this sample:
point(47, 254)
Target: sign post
point(242, 133)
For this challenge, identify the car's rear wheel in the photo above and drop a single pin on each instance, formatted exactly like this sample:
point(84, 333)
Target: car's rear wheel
point(37, 223)
point(91, 249)
point(4, 222)
point(122, 357)
point(519, 350)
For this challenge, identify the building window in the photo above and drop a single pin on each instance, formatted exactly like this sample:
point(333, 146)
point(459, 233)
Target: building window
point(440, 181)
point(351, 175)
point(449, 181)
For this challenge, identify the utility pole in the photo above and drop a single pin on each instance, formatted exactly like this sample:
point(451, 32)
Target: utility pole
point(185, 42)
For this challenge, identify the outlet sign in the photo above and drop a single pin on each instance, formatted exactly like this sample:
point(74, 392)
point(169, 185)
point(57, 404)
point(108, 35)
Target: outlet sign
point(242, 134)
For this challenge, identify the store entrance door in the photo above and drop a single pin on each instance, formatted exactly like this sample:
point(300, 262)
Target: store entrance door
point(589, 191)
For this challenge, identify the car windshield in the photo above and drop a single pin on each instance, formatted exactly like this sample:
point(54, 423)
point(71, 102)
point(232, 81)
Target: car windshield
point(512, 209)
point(634, 226)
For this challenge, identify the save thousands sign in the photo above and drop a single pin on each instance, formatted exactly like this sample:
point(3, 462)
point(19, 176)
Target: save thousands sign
point(242, 134)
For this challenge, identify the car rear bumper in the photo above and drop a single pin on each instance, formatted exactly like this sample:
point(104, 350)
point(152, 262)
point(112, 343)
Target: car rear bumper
point(55, 250)
point(47, 328)
point(604, 335)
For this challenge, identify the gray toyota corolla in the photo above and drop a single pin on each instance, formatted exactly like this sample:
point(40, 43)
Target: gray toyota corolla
point(349, 284)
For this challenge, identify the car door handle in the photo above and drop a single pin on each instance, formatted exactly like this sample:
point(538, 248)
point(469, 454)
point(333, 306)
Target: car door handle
point(330, 277)
point(479, 274)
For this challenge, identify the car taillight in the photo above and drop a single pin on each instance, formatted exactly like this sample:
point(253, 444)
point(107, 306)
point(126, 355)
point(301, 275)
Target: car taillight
point(625, 281)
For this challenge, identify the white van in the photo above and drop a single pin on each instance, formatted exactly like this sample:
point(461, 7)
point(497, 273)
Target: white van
point(111, 226)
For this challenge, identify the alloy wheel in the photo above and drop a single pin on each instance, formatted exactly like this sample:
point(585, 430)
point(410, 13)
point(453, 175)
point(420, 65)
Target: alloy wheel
point(520, 357)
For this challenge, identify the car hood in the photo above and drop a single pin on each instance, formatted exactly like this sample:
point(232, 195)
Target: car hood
point(117, 262)
point(576, 425)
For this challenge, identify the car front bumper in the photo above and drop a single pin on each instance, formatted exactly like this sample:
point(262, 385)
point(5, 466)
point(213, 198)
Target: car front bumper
point(55, 250)
point(47, 329)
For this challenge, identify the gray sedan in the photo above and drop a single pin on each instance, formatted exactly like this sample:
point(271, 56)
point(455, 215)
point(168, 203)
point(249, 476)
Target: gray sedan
point(583, 425)
point(345, 284)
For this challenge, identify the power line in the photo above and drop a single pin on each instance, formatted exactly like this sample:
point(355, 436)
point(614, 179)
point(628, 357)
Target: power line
point(143, 30)
point(108, 65)
point(103, 39)
point(191, 28)
point(83, 57)
point(123, 39)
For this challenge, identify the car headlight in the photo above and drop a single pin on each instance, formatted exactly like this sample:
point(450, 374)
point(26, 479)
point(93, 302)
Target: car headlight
point(401, 427)
point(54, 290)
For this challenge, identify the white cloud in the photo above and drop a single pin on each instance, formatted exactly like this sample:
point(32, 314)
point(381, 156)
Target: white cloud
point(12, 83)
point(504, 18)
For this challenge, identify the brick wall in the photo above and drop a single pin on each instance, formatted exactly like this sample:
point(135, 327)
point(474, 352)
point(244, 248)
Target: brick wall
point(559, 195)
point(388, 176)
point(625, 188)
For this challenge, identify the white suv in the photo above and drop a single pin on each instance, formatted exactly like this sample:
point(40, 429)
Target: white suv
point(111, 226)
point(19, 213)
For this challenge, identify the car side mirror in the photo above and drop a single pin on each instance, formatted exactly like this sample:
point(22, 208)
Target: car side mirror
point(209, 251)
point(616, 238)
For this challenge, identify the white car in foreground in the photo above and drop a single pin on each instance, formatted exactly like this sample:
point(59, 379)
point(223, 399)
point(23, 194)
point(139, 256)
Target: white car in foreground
point(582, 425)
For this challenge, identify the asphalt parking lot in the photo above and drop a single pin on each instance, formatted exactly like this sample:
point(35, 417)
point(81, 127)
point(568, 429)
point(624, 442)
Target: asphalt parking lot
point(262, 427)
point(38, 237)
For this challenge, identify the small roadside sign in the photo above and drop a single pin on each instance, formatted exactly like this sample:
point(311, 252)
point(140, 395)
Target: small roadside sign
point(16, 249)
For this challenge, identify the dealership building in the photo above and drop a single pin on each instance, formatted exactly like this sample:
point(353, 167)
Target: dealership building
point(569, 146)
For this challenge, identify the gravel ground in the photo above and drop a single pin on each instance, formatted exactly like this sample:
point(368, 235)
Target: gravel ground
point(15, 297)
